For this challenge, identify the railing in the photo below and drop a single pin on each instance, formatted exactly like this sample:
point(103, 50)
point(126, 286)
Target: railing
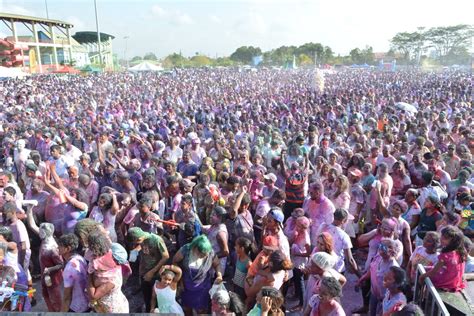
point(427, 297)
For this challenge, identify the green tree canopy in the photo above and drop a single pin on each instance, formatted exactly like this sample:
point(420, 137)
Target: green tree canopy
point(244, 54)
point(150, 56)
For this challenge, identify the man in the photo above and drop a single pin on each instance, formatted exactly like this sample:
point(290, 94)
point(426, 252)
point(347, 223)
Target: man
point(342, 241)
point(358, 198)
point(318, 208)
point(452, 161)
point(59, 161)
point(295, 184)
point(386, 157)
point(175, 153)
point(187, 167)
point(74, 275)
point(197, 152)
point(439, 174)
point(153, 255)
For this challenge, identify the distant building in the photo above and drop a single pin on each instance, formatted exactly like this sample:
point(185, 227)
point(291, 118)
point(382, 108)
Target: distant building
point(90, 42)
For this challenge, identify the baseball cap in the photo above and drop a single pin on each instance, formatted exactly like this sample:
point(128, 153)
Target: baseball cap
point(270, 176)
point(187, 183)
point(277, 215)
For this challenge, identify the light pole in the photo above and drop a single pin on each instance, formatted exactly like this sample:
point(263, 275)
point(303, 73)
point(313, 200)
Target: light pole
point(125, 50)
point(98, 33)
point(46, 6)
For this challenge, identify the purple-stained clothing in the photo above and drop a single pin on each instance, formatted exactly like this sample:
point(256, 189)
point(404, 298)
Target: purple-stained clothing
point(320, 212)
point(42, 198)
point(75, 276)
point(49, 257)
point(71, 216)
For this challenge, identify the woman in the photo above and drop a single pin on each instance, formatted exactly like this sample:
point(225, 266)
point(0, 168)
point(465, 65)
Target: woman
point(274, 275)
point(401, 180)
point(198, 263)
point(218, 235)
point(330, 182)
point(321, 265)
point(413, 211)
point(7, 273)
point(357, 162)
point(416, 169)
point(341, 198)
point(269, 302)
point(207, 168)
point(105, 213)
point(105, 277)
point(430, 218)
point(326, 303)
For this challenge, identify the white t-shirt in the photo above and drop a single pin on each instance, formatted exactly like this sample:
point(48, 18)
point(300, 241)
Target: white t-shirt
point(342, 241)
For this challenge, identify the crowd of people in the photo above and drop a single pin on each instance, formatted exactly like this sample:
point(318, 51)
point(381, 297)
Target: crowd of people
point(234, 192)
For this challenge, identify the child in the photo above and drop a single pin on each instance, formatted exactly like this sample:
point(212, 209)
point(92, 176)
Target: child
point(326, 303)
point(426, 255)
point(243, 248)
point(470, 255)
point(164, 294)
point(449, 218)
point(395, 283)
point(290, 224)
point(270, 244)
point(378, 267)
point(300, 252)
point(448, 272)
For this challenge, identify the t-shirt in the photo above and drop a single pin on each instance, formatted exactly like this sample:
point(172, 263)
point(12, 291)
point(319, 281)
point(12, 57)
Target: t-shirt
point(342, 241)
point(75, 276)
point(420, 256)
point(314, 303)
point(20, 234)
point(390, 301)
point(378, 268)
point(450, 276)
point(150, 260)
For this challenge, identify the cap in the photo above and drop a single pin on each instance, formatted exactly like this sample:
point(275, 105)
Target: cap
point(270, 176)
point(270, 242)
point(277, 215)
point(323, 260)
point(31, 166)
point(110, 163)
point(195, 141)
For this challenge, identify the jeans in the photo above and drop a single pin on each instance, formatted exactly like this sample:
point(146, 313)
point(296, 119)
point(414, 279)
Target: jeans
point(298, 282)
point(147, 291)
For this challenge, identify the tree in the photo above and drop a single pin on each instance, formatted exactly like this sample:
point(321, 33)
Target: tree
point(200, 61)
point(244, 54)
point(304, 60)
point(409, 44)
point(224, 61)
point(136, 58)
point(356, 55)
point(175, 60)
point(449, 40)
point(368, 56)
point(150, 56)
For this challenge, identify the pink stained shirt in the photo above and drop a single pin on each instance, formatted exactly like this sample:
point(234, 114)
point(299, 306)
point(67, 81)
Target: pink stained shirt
point(320, 212)
point(378, 268)
point(450, 277)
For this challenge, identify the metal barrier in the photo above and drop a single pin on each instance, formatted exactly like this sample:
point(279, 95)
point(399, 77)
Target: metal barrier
point(427, 297)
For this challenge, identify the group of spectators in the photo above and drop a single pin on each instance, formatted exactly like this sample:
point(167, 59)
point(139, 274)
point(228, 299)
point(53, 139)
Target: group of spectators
point(279, 183)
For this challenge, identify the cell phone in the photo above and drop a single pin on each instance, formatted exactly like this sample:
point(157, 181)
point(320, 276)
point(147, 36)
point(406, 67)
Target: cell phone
point(266, 292)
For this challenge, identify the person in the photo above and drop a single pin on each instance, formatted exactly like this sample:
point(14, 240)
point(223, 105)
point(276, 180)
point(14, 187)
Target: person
point(104, 277)
point(198, 263)
point(226, 303)
point(321, 265)
point(326, 303)
point(447, 273)
point(163, 299)
point(268, 303)
point(75, 299)
point(300, 252)
point(51, 263)
point(426, 255)
point(395, 282)
point(243, 249)
point(430, 217)
point(342, 242)
point(218, 235)
point(105, 212)
point(378, 267)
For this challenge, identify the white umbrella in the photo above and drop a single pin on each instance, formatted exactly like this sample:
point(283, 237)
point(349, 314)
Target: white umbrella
point(406, 107)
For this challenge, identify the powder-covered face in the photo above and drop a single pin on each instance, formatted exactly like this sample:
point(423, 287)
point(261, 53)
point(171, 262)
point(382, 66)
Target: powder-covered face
point(21, 144)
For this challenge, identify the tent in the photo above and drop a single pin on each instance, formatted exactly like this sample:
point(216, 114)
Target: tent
point(67, 70)
point(12, 72)
point(145, 66)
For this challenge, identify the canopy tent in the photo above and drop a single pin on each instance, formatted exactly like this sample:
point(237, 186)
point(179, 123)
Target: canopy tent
point(67, 70)
point(12, 72)
point(145, 66)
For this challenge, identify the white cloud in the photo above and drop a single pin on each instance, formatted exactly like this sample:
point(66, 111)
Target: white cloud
point(215, 19)
point(252, 23)
point(183, 19)
point(77, 22)
point(15, 9)
point(157, 10)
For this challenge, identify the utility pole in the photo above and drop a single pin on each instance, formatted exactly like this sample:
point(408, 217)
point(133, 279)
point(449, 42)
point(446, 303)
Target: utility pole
point(46, 6)
point(125, 51)
point(98, 33)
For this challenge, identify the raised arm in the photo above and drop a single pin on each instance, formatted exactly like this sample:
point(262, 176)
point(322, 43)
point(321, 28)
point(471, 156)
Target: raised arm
point(30, 220)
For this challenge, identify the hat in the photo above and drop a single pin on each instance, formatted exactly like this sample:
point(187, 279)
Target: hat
point(47, 135)
point(428, 156)
point(270, 242)
point(356, 173)
point(110, 163)
point(31, 166)
point(297, 212)
point(195, 141)
point(277, 215)
point(262, 208)
point(187, 183)
point(270, 176)
point(119, 253)
point(323, 260)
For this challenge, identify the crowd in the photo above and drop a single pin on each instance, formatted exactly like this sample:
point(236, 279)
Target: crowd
point(227, 192)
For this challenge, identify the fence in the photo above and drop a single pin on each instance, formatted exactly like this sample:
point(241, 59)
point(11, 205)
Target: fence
point(427, 297)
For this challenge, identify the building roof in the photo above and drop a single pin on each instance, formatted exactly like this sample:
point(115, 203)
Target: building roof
point(91, 37)
point(29, 19)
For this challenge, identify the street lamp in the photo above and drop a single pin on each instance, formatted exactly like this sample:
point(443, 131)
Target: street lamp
point(98, 33)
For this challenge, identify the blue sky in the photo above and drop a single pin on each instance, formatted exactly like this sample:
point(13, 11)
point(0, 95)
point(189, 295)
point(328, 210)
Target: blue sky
point(218, 27)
